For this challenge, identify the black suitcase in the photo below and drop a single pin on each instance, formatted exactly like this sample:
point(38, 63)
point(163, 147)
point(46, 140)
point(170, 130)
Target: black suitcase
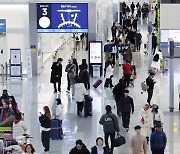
point(88, 106)
point(56, 130)
point(97, 83)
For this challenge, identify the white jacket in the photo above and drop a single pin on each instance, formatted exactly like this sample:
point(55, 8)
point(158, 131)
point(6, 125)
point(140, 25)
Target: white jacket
point(80, 91)
point(109, 72)
point(59, 112)
point(148, 122)
point(158, 116)
point(19, 129)
point(157, 64)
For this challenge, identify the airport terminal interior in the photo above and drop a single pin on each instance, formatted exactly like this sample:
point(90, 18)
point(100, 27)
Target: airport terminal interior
point(32, 94)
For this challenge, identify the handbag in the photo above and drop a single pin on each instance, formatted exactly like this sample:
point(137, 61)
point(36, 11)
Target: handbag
point(119, 140)
point(142, 120)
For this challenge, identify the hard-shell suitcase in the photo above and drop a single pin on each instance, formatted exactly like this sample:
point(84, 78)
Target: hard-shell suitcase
point(56, 129)
point(97, 83)
point(88, 106)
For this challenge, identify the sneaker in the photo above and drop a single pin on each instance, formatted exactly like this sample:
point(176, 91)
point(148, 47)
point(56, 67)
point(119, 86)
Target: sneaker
point(127, 129)
point(55, 91)
point(67, 91)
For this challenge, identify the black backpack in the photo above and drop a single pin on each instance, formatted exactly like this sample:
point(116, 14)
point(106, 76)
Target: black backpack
point(156, 58)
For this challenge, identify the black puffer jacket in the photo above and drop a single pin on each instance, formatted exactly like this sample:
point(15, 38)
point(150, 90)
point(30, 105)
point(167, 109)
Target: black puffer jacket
point(76, 151)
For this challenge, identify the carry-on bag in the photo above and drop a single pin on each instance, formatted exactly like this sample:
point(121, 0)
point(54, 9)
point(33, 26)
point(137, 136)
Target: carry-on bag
point(56, 129)
point(144, 86)
point(88, 105)
point(119, 140)
point(97, 83)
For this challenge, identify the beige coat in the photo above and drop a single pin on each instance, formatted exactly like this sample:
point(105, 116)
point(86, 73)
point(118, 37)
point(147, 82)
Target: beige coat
point(138, 145)
point(146, 128)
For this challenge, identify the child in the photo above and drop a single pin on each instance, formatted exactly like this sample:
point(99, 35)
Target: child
point(59, 114)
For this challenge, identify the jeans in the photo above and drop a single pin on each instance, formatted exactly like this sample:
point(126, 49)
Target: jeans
point(59, 85)
point(126, 119)
point(45, 139)
point(80, 106)
point(112, 136)
point(150, 94)
point(127, 79)
point(158, 152)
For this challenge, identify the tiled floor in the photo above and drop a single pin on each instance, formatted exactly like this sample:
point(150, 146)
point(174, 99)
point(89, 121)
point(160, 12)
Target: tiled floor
point(33, 95)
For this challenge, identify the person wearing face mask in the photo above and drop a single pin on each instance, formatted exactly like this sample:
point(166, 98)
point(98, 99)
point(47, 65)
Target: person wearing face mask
point(146, 121)
point(158, 118)
point(80, 148)
point(99, 149)
point(4, 97)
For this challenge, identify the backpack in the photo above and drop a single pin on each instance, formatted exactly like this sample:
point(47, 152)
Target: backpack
point(144, 86)
point(156, 58)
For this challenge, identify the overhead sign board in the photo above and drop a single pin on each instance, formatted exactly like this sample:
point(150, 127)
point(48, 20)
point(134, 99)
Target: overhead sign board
point(2, 25)
point(62, 17)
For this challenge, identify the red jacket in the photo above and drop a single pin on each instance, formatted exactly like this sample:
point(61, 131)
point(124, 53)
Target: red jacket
point(127, 69)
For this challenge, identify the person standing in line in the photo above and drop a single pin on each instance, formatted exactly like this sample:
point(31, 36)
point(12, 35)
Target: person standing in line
point(127, 107)
point(158, 141)
point(118, 93)
point(114, 31)
point(154, 43)
point(59, 114)
point(157, 115)
point(127, 71)
point(132, 7)
point(68, 66)
point(56, 74)
point(146, 121)
point(99, 149)
point(72, 78)
point(138, 144)
point(80, 148)
point(110, 126)
point(80, 91)
point(150, 82)
point(45, 121)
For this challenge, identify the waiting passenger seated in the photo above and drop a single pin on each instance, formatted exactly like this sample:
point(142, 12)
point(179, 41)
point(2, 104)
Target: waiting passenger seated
point(19, 127)
point(4, 97)
point(6, 111)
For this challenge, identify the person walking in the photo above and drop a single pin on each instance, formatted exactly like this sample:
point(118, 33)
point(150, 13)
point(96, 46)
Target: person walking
point(98, 148)
point(109, 76)
point(84, 76)
point(80, 148)
point(118, 93)
point(132, 7)
point(158, 140)
point(113, 31)
point(157, 61)
point(127, 107)
point(127, 71)
point(138, 144)
point(138, 38)
point(157, 115)
point(146, 121)
point(56, 74)
point(107, 50)
point(72, 78)
point(110, 126)
point(80, 91)
point(68, 66)
point(150, 82)
point(127, 53)
point(45, 121)
point(154, 43)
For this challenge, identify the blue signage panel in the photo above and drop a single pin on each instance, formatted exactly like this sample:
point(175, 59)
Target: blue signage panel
point(62, 17)
point(2, 25)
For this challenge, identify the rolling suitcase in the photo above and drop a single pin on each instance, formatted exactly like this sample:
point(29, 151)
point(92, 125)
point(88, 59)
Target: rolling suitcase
point(88, 106)
point(56, 130)
point(97, 83)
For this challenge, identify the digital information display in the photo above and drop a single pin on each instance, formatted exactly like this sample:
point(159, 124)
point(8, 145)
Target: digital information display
point(62, 17)
point(2, 25)
point(166, 34)
point(95, 52)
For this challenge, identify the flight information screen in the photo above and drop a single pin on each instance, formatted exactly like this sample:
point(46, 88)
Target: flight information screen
point(62, 17)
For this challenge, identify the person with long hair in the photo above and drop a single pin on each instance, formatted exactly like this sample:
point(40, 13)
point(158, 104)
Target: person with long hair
point(13, 104)
point(29, 149)
point(45, 120)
